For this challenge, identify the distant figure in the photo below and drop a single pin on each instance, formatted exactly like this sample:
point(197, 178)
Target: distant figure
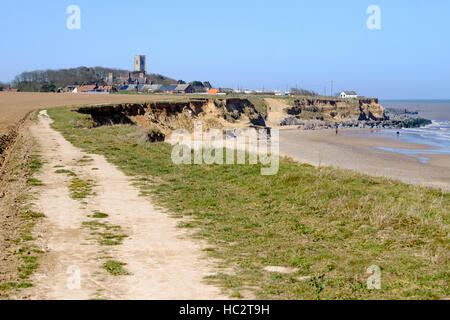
point(398, 133)
point(337, 129)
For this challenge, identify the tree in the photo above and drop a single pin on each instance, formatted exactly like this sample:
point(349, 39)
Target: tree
point(207, 85)
point(197, 84)
point(46, 87)
point(303, 92)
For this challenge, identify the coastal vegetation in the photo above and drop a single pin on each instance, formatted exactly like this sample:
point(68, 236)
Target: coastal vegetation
point(305, 233)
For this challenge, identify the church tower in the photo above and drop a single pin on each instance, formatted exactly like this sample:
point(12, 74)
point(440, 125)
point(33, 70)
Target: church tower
point(139, 63)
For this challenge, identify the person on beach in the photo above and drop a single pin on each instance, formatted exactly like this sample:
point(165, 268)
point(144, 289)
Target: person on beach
point(337, 129)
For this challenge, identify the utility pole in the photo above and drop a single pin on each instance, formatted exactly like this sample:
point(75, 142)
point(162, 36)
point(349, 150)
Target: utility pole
point(331, 88)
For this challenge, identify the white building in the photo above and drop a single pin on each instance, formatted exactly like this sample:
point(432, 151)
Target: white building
point(348, 94)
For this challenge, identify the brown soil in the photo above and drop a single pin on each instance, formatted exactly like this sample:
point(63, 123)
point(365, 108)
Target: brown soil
point(13, 186)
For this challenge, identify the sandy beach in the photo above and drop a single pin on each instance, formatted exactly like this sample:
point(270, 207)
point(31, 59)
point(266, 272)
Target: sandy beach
point(324, 147)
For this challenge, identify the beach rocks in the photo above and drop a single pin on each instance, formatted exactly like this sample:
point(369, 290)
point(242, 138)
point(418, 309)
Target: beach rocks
point(291, 121)
point(321, 113)
point(394, 121)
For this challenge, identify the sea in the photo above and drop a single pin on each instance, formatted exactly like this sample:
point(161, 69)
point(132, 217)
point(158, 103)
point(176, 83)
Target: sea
point(435, 137)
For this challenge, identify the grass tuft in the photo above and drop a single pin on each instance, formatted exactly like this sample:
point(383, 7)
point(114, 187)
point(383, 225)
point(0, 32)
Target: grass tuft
point(99, 215)
point(35, 182)
point(80, 189)
point(116, 268)
point(70, 173)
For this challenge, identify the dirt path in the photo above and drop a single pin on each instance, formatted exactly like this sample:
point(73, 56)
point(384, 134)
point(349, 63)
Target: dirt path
point(162, 262)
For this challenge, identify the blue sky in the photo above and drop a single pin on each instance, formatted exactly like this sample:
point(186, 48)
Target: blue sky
point(248, 43)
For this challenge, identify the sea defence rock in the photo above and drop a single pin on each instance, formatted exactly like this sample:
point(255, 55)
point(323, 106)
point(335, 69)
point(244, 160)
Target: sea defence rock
point(386, 124)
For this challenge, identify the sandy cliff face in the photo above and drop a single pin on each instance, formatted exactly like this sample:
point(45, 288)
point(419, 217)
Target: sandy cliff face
point(168, 116)
point(232, 113)
point(337, 110)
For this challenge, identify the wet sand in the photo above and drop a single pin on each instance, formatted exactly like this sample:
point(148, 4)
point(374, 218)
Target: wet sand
point(324, 147)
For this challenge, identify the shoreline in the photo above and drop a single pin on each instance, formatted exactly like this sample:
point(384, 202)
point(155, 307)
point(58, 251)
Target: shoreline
point(362, 154)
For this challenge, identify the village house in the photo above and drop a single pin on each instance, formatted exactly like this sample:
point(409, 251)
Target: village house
point(128, 78)
point(10, 90)
point(171, 88)
point(84, 89)
point(348, 94)
point(183, 89)
point(144, 88)
point(104, 89)
point(157, 88)
point(129, 87)
point(180, 89)
point(213, 92)
point(69, 88)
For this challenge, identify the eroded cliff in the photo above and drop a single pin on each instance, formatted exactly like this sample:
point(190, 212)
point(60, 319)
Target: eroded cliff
point(337, 110)
point(168, 116)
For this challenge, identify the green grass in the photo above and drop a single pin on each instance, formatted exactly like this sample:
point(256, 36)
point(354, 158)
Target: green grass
point(35, 182)
point(85, 160)
point(35, 115)
point(260, 106)
point(104, 233)
point(35, 163)
point(110, 239)
point(80, 189)
point(328, 224)
point(16, 285)
point(99, 215)
point(70, 173)
point(115, 268)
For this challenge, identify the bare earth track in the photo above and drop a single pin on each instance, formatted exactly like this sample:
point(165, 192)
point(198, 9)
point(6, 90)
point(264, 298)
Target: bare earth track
point(160, 259)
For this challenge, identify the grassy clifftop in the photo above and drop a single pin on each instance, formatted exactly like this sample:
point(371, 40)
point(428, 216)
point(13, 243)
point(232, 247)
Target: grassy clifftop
point(325, 225)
